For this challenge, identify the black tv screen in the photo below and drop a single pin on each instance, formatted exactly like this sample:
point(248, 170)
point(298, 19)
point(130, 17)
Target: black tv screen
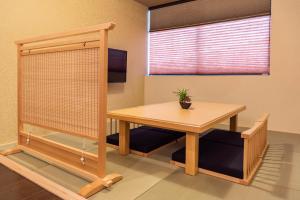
point(117, 65)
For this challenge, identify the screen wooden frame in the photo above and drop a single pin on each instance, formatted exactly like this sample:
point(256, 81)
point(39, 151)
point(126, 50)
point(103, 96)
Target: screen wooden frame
point(61, 155)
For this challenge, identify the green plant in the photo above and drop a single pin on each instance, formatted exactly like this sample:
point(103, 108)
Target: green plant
point(183, 95)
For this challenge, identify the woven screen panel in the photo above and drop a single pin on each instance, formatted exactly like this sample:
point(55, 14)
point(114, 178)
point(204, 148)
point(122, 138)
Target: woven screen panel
point(60, 91)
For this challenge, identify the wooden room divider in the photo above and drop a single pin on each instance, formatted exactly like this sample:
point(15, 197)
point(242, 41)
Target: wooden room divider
point(62, 87)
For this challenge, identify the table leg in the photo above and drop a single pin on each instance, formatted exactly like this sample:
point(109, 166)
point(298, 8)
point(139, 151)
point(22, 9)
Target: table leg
point(234, 123)
point(124, 137)
point(191, 153)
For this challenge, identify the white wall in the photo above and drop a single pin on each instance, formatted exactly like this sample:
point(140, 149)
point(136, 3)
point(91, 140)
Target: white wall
point(278, 94)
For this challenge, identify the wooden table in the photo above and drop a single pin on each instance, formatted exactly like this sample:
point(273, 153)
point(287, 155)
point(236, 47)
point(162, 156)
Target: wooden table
point(194, 121)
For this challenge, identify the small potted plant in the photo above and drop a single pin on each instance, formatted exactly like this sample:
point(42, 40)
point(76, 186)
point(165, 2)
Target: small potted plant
point(184, 98)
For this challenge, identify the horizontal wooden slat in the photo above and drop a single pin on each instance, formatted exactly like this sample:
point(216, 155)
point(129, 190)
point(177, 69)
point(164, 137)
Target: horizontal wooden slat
point(88, 45)
point(75, 32)
point(60, 43)
point(59, 145)
point(59, 130)
point(61, 155)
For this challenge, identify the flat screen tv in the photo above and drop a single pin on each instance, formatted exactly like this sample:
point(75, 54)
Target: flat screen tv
point(117, 65)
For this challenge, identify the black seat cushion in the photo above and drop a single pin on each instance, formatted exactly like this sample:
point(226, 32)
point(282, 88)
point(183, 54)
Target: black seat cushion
point(145, 139)
point(225, 137)
point(218, 157)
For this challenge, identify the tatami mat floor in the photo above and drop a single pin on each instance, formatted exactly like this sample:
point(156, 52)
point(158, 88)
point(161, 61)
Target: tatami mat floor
point(154, 178)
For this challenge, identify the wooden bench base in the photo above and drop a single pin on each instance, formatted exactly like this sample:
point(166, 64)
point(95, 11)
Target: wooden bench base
point(245, 181)
point(211, 173)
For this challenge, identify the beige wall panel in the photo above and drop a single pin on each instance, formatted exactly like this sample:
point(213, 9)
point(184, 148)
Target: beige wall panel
point(21, 19)
point(277, 94)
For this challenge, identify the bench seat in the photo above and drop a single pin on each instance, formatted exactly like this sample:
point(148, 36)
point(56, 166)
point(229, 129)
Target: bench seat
point(146, 139)
point(224, 137)
point(217, 157)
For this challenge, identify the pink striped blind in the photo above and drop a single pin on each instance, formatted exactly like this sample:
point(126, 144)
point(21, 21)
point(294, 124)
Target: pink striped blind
point(232, 47)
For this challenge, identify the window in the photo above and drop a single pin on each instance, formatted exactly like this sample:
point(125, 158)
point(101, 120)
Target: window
point(231, 47)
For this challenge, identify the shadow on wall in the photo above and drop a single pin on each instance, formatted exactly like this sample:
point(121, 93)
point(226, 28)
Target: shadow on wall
point(116, 88)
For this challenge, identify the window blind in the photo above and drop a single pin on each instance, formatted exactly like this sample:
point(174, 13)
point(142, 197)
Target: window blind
point(231, 47)
point(206, 11)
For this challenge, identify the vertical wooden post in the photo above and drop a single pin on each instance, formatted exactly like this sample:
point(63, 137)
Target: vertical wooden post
point(234, 123)
point(110, 126)
point(191, 153)
point(246, 159)
point(266, 132)
point(19, 90)
point(124, 137)
point(103, 68)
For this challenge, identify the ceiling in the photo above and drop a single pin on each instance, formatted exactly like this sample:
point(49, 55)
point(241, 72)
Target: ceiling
point(150, 3)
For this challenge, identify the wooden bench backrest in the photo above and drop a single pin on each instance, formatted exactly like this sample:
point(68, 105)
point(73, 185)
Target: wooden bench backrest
point(255, 144)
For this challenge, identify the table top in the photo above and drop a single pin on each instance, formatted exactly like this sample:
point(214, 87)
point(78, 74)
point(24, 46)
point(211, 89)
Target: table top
point(200, 117)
